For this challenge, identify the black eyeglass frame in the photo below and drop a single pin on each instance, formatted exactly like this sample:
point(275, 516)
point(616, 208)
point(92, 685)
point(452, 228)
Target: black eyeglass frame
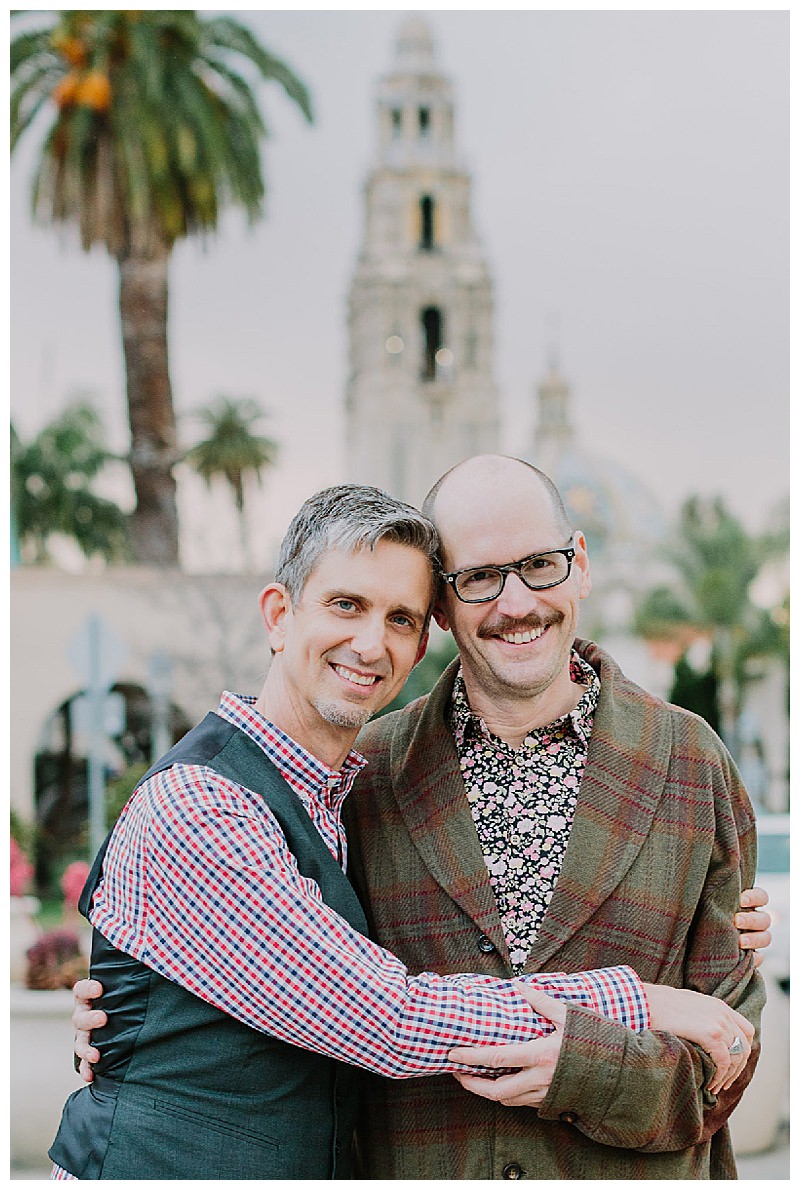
point(507, 569)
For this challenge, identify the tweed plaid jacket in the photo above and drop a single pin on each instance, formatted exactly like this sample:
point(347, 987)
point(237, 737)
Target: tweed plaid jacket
point(663, 840)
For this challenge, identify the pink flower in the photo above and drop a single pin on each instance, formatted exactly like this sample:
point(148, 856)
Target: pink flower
point(72, 883)
point(21, 870)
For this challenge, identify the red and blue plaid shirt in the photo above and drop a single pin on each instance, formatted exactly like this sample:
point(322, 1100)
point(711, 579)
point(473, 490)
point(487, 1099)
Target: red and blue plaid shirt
point(200, 885)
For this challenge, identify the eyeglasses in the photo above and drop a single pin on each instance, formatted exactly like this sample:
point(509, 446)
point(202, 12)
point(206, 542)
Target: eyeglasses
point(481, 584)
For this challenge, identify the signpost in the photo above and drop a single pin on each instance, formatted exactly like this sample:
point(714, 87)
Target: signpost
point(159, 684)
point(96, 654)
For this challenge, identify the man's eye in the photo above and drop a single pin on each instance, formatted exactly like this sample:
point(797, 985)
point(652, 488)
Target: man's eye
point(477, 577)
point(541, 563)
point(345, 605)
point(403, 621)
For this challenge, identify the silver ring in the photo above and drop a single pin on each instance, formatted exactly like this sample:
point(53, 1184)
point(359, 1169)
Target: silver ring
point(737, 1047)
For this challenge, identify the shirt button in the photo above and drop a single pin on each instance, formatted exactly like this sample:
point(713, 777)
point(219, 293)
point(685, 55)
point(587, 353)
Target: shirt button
point(512, 1171)
point(485, 944)
point(568, 1117)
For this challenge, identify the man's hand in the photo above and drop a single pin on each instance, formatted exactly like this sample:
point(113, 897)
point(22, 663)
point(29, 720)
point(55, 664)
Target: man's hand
point(756, 924)
point(84, 1019)
point(709, 1022)
point(532, 1062)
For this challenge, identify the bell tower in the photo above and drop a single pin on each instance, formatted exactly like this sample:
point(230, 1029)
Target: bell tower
point(421, 393)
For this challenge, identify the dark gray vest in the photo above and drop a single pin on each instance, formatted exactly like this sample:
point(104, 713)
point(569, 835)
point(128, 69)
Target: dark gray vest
point(184, 1091)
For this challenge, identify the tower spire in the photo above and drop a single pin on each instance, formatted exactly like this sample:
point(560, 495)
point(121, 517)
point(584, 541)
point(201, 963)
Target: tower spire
point(421, 394)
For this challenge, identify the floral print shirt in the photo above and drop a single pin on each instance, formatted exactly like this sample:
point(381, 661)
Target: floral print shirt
point(523, 803)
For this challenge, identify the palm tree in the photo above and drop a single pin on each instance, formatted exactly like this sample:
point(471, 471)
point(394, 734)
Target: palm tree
point(51, 478)
point(232, 451)
point(716, 561)
point(156, 130)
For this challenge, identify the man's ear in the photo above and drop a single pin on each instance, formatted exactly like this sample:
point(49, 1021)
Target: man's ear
point(440, 609)
point(581, 564)
point(276, 610)
point(423, 645)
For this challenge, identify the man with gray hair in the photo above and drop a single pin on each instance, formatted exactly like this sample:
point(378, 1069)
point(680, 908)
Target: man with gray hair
point(240, 984)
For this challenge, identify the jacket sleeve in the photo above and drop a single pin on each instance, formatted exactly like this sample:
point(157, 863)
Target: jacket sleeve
point(650, 1091)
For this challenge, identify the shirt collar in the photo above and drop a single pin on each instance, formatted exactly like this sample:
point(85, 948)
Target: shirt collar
point(464, 722)
point(303, 771)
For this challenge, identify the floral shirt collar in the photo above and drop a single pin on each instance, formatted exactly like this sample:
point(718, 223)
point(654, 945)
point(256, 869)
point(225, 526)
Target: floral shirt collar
point(464, 722)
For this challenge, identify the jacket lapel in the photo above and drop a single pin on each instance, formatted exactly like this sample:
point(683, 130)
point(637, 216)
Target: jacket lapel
point(623, 782)
point(430, 793)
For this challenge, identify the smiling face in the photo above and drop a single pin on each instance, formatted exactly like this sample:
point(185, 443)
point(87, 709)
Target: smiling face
point(515, 648)
point(345, 648)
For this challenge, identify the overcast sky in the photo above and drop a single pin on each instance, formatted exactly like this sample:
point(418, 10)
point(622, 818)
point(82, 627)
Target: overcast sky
point(630, 177)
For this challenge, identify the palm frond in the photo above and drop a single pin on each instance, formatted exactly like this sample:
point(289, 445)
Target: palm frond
point(230, 34)
point(29, 47)
point(177, 137)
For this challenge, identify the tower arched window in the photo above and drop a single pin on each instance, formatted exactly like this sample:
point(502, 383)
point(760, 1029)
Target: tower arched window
point(427, 210)
point(432, 325)
point(397, 122)
point(424, 115)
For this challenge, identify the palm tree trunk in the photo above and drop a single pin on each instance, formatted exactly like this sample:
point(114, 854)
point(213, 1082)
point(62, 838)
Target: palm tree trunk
point(726, 689)
point(143, 315)
point(244, 537)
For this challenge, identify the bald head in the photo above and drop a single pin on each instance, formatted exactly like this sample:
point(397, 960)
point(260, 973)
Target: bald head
point(483, 497)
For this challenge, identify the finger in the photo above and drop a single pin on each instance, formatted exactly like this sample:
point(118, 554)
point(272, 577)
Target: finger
point(523, 1053)
point(86, 1019)
point(753, 897)
point(736, 1069)
point(84, 1048)
point(753, 919)
point(86, 1072)
point(758, 958)
point(737, 1025)
point(742, 1027)
point(731, 1079)
point(723, 1061)
point(548, 1007)
point(729, 1070)
point(510, 1090)
point(755, 941)
point(520, 1084)
point(484, 1087)
point(531, 1099)
point(517, 1090)
point(87, 990)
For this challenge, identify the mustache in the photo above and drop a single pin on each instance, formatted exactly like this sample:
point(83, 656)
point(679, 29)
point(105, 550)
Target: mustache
point(507, 624)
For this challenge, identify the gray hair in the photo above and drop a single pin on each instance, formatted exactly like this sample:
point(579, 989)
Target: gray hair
point(349, 517)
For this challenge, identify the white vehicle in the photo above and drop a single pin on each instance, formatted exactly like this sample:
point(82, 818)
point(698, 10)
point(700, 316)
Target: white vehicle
point(772, 874)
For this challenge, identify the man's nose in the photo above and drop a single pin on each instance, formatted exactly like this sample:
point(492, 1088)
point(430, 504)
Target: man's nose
point(369, 642)
point(516, 600)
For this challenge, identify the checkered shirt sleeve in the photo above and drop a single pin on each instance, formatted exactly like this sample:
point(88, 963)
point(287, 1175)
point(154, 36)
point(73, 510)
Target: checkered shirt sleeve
point(200, 886)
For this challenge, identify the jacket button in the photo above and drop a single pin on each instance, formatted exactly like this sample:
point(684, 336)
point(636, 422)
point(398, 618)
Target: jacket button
point(568, 1117)
point(485, 944)
point(512, 1171)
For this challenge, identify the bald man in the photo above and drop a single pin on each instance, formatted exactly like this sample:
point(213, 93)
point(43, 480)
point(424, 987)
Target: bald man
point(539, 811)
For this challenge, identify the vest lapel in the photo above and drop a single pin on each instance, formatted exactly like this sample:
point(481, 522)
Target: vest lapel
point(243, 761)
point(430, 793)
point(623, 782)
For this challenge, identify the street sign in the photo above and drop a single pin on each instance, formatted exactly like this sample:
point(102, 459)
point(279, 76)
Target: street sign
point(113, 721)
